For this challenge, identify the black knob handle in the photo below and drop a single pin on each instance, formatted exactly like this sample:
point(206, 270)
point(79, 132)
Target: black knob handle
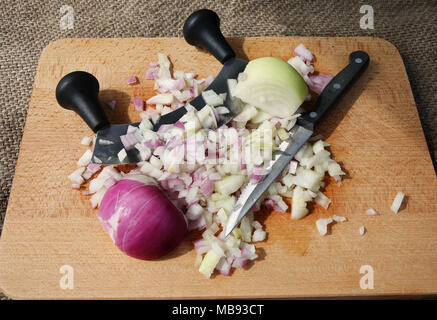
point(336, 88)
point(202, 29)
point(78, 91)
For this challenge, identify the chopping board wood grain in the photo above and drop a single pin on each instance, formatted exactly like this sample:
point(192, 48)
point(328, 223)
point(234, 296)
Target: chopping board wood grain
point(374, 132)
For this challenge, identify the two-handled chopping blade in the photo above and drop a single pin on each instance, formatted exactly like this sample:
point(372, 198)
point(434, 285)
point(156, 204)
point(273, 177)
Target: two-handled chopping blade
point(78, 91)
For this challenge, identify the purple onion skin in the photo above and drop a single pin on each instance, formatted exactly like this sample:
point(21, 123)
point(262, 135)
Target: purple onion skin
point(149, 225)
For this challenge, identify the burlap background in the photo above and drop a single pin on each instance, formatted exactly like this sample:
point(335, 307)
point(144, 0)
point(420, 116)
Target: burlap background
point(26, 27)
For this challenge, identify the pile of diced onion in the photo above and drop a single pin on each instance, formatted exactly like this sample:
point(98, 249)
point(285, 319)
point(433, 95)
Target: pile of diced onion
point(207, 192)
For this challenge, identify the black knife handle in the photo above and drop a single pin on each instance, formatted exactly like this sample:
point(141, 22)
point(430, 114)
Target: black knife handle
point(358, 62)
point(78, 91)
point(202, 29)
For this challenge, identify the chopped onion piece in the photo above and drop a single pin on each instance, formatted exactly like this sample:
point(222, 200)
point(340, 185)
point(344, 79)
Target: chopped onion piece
point(152, 73)
point(207, 187)
point(246, 114)
point(197, 224)
point(259, 235)
point(155, 118)
point(304, 53)
point(194, 211)
point(138, 104)
point(319, 82)
point(229, 184)
point(156, 162)
point(334, 169)
point(322, 225)
point(217, 249)
point(278, 203)
point(319, 146)
point(292, 122)
point(150, 170)
point(246, 228)
point(372, 212)
point(170, 85)
point(222, 110)
point(132, 80)
point(287, 180)
point(224, 266)
point(322, 200)
point(90, 170)
point(311, 194)
point(299, 208)
point(308, 179)
point(211, 98)
point(339, 218)
point(283, 134)
point(129, 140)
point(145, 124)
point(86, 141)
point(306, 151)
point(321, 160)
point(397, 202)
point(76, 176)
point(300, 66)
point(209, 263)
point(207, 118)
point(164, 98)
point(293, 166)
point(201, 246)
point(257, 225)
point(164, 66)
point(232, 83)
point(222, 216)
point(85, 159)
point(96, 199)
point(122, 155)
point(362, 230)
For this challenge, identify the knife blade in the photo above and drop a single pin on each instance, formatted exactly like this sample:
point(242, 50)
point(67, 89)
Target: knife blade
point(78, 91)
point(304, 128)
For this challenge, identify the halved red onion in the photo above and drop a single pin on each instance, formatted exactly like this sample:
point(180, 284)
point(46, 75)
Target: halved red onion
point(141, 220)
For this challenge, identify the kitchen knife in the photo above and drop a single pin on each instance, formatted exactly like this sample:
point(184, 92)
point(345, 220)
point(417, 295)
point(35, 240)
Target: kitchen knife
point(78, 91)
point(304, 128)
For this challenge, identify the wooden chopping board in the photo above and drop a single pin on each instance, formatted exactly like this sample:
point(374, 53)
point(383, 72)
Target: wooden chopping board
point(374, 132)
